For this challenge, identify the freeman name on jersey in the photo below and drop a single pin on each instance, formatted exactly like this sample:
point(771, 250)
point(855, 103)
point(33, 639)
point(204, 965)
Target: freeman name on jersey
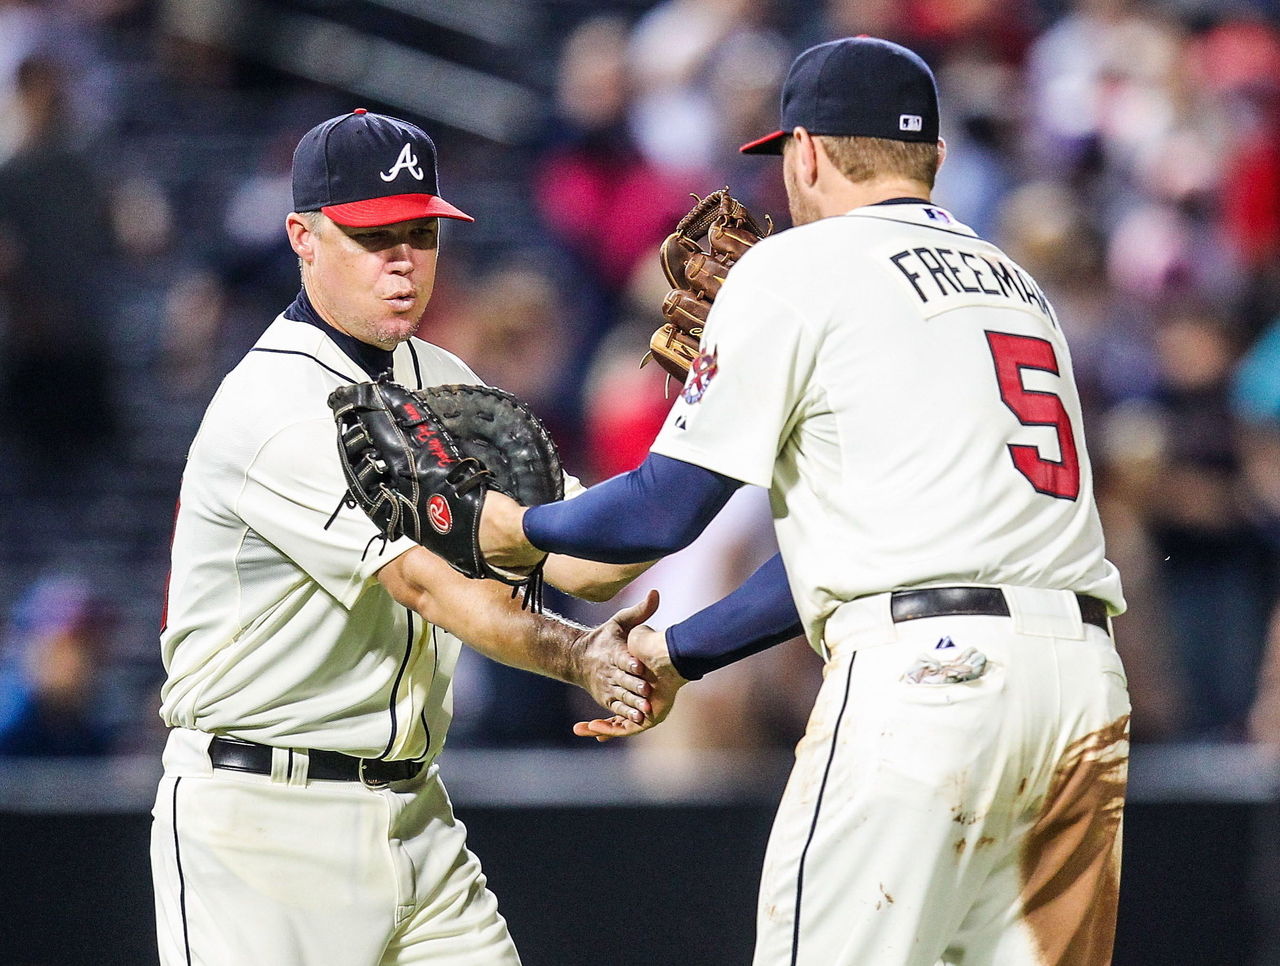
point(947, 273)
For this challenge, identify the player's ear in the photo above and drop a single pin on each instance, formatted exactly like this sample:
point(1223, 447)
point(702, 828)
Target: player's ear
point(942, 154)
point(301, 237)
point(806, 150)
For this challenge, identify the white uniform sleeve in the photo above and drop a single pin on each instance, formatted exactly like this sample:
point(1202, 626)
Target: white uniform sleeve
point(735, 414)
point(290, 491)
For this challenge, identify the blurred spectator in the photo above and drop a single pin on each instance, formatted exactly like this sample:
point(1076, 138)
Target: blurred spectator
point(55, 235)
point(848, 18)
point(673, 52)
point(1240, 61)
point(193, 311)
point(1144, 637)
point(595, 190)
point(257, 262)
point(984, 106)
point(514, 325)
point(1217, 570)
point(22, 23)
point(512, 330)
point(1072, 85)
point(605, 206)
point(626, 404)
point(1001, 28)
point(49, 672)
point(1256, 396)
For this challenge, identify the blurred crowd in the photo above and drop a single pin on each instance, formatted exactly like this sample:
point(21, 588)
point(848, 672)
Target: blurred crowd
point(1127, 153)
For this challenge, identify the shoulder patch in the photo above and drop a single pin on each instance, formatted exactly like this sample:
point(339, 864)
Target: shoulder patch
point(703, 370)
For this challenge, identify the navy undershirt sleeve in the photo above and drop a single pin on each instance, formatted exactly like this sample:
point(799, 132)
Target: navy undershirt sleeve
point(658, 508)
point(755, 617)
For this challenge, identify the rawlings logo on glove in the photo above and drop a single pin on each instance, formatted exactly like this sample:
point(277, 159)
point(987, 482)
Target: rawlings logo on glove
point(438, 514)
point(419, 465)
point(696, 274)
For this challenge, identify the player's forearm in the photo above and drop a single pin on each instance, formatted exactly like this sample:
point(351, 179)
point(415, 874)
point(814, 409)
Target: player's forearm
point(656, 509)
point(592, 658)
point(590, 579)
point(544, 643)
point(756, 616)
point(484, 615)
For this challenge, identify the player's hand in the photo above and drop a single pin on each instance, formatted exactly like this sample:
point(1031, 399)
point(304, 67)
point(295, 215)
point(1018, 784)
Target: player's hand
point(650, 647)
point(609, 672)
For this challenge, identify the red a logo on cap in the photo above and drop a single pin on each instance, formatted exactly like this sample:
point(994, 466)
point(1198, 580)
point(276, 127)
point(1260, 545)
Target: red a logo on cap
point(406, 161)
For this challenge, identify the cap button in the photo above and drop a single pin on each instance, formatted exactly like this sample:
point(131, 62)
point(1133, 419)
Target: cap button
point(360, 110)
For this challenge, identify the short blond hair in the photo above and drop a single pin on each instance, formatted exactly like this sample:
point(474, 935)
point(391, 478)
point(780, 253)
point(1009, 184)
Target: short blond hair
point(862, 159)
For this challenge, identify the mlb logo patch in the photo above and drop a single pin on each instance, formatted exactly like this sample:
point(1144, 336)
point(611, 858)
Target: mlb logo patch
point(910, 122)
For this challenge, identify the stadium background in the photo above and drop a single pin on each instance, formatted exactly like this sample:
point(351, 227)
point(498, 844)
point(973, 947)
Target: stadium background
point(1127, 153)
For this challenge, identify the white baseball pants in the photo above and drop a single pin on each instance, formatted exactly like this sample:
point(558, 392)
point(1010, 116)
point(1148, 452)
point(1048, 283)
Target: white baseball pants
point(258, 869)
point(974, 823)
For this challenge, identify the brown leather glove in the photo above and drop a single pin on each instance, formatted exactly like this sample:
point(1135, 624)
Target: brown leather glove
point(696, 273)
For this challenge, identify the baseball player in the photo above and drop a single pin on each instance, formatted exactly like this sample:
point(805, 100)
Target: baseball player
point(300, 818)
point(904, 392)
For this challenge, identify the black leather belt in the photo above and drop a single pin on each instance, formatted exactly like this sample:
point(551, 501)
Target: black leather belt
point(909, 605)
point(235, 754)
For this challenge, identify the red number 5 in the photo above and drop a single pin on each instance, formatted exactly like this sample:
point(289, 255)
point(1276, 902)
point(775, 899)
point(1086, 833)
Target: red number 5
point(1012, 354)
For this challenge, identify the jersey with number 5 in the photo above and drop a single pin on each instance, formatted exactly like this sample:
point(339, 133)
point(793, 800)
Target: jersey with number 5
point(904, 391)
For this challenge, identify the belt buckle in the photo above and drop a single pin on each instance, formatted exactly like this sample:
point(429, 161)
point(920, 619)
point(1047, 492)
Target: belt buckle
point(368, 782)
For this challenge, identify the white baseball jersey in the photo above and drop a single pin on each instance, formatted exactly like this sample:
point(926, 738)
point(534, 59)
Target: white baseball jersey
point(277, 629)
point(904, 391)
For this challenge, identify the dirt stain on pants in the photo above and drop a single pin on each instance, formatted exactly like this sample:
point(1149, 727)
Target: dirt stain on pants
point(1071, 859)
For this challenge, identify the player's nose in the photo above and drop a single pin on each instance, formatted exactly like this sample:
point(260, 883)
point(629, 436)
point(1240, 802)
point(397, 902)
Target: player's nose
point(399, 258)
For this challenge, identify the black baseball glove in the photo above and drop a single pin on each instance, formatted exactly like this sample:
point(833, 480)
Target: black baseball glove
point(420, 463)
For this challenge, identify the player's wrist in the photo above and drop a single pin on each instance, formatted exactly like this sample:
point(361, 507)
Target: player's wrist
point(501, 534)
point(561, 647)
point(576, 660)
point(653, 649)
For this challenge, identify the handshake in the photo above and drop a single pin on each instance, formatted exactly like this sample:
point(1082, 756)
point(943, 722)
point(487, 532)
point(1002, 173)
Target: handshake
point(423, 465)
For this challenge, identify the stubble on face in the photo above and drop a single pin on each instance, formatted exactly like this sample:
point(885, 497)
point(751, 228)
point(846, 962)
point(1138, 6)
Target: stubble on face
point(387, 334)
point(351, 279)
point(803, 210)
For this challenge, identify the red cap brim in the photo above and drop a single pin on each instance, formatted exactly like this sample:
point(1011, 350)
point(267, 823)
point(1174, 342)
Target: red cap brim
point(769, 144)
point(392, 209)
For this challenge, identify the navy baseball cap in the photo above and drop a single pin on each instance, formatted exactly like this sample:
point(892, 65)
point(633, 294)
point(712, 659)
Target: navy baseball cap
point(365, 169)
point(856, 87)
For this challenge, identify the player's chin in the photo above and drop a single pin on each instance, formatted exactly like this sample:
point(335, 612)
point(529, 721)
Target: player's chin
point(395, 327)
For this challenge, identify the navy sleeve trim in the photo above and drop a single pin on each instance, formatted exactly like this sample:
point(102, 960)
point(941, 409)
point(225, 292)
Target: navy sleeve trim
point(656, 509)
point(755, 617)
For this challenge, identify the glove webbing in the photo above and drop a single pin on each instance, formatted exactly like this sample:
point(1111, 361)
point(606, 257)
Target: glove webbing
point(719, 203)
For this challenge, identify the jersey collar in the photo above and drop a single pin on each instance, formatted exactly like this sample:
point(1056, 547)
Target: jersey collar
point(913, 211)
point(370, 358)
